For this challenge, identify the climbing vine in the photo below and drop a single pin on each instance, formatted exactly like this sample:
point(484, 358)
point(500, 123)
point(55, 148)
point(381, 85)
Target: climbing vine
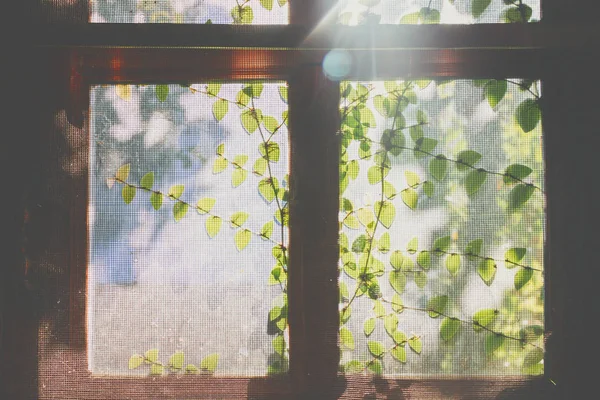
point(372, 150)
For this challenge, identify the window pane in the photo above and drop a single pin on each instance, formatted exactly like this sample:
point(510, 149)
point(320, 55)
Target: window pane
point(264, 12)
point(442, 228)
point(185, 211)
point(358, 12)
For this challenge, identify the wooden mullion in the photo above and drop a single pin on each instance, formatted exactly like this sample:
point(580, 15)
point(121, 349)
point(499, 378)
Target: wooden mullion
point(313, 288)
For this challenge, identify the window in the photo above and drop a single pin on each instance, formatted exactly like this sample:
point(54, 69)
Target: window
point(158, 55)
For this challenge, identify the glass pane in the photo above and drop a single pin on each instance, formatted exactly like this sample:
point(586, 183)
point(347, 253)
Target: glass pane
point(442, 228)
point(260, 12)
point(359, 12)
point(188, 186)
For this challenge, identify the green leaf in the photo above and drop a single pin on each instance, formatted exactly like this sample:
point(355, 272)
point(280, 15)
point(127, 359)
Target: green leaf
point(442, 244)
point(466, 159)
point(279, 345)
point(135, 361)
point(453, 264)
point(396, 259)
point(267, 230)
point(479, 6)
point(283, 90)
point(412, 18)
point(213, 225)
point(437, 305)
point(493, 343)
point(399, 353)
point(534, 356)
point(220, 108)
point(376, 367)
point(516, 171)
point(528, 115)
point(274, 313)
point(270, 123)
point(346, 338)
point(487, 270)
point(416, 132)
point(473, 248)
point(176, 191)
point(191, 369)
point(265, 188)
point(238, 219)
point(369, 326)
point(147, 181)
point(386, 212)
point(495, 91)
point(430, 15)
point(531, 332)
point(162, 91)
point(410, 198)
point(513, 256)
point(438, 167)
point(474, 181)
point(421, 279)
point(210, 362)
point(351, 222)
point(123, 172)
point(376, 348)
point(384, 243)
point(484, 318)
point(374, 290)
point(522, 277)
point(260, 166)
point(345, 314)
point(249, 121)
point(242, 15)
point(253, 90)
point(399, 338)
point(449, 328)
point(176, 360)
point(424, 146)
point(389, 190)
point(179, 210)
point(415, 344)
point(424, 259)
point(353, 367)
point(242, 238)
point(428, 188)
point(157, 369)
point(514, 14)
point(412, 179)
point(397, 304)
point(375, 174)
point(353, 169)
point(156, 200)
point(378, 308)
point(240, 160)
point(269, 151)
point(220, 165)
point(267, 4)
point(519, 195)
point(359, 244)
point(398, 281)
point(238, 176)
point(413, 245)
point(205, 204)
point(152, 355)
point(128, 193)
point(390, 323)
point(213, 88)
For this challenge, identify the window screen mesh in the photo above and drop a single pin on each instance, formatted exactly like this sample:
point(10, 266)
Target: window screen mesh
point(359, 12)
point(442, 228)
point(188, 193)
point(265, 12)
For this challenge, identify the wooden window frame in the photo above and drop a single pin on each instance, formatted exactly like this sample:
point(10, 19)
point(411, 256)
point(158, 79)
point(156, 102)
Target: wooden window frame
point(77, 56)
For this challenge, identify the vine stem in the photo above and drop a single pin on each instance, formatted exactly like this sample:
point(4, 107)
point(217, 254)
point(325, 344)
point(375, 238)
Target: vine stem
point(382, 199)
point(466, 322)
point(366, 139)
point(486, 258)
point(523, 87)
point(194, 207)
